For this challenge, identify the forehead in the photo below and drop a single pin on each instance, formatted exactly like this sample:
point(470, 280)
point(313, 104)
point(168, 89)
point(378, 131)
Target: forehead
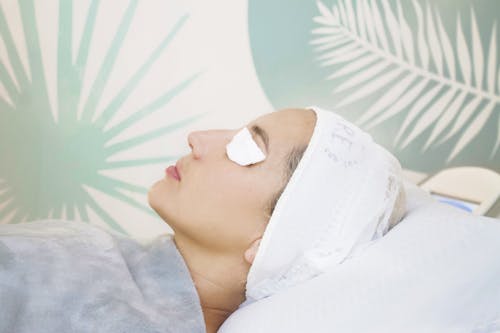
point(287, 127)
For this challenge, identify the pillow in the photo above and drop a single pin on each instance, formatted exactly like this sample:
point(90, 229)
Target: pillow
point(438, 270)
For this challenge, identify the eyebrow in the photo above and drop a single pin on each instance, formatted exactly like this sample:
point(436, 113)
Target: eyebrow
point(262, 133)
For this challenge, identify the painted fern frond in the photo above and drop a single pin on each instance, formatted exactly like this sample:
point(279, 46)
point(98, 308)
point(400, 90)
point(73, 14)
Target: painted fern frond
point(449, 87)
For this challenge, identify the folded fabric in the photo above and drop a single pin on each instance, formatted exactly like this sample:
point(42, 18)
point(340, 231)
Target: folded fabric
point(67, 276)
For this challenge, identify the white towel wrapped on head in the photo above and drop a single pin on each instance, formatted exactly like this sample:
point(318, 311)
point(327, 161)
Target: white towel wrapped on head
point(339, 199)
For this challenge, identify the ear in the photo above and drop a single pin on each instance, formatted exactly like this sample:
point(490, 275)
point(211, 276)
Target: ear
point(252, 250)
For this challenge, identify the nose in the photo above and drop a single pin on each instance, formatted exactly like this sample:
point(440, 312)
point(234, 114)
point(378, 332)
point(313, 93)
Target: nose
point(195, 144)
point(207, 142)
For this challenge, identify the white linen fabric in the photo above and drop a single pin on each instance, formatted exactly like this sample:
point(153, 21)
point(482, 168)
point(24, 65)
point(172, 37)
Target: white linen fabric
point(437, 271)
point(339, 199)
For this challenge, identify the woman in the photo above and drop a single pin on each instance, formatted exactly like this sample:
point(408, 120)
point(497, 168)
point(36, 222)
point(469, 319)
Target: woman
point(220, 238)
point(219, 209)
point(222, 203)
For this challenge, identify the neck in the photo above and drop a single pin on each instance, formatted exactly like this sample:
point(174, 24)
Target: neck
point(219, 279)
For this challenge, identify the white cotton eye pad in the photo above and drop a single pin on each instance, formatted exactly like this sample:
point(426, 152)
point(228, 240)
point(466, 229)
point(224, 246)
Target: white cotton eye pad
point(243, 150)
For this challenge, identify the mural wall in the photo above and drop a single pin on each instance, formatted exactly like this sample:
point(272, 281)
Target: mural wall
point(422, 76)
point(98, 97)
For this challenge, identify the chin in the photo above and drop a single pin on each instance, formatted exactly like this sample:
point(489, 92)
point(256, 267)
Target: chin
point(158, 199)
point(154, 196)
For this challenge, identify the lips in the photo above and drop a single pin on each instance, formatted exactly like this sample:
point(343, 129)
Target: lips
point(173, 172)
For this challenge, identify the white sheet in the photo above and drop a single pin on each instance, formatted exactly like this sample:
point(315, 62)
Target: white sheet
point(437, 271)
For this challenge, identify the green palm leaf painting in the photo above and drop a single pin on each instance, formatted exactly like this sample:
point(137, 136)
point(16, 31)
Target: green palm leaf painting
point(448, 85)
point(51, 157)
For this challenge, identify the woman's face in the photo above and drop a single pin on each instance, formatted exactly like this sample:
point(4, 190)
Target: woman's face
point(218, 203)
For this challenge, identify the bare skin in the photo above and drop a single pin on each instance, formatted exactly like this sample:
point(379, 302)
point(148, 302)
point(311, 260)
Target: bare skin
point(217, 209)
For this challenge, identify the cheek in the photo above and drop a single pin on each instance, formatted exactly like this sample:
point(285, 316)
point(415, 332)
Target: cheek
point(231, 191)
point(230, 186)
point(234, 214)
point(224, 206)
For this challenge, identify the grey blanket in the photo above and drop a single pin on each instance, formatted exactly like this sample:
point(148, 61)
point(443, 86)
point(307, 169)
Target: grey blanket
point(67, 276)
